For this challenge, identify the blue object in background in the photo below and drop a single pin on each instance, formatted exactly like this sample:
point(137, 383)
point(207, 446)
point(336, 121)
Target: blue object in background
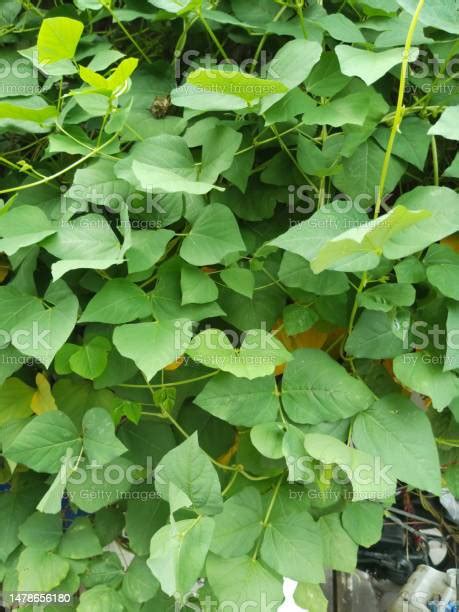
point(451, 607)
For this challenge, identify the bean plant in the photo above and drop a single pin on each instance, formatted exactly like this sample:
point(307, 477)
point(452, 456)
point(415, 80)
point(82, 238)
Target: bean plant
point(229, 301)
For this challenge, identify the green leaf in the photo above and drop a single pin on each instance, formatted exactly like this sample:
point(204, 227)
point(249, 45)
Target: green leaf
point(361, 173)
point(341, 28)
point(43, 442)
point(15, 399)
point(304, 239)
point(119, 301)
point(298, 318)
point(412, 143)
point(148, 246)
point(178, 553)
point(441, 14)
point(41, 334)
point(444, 277)
point(99, 441)
point(51, 502)
point(176, 6)
point(29, 114)
point(91, 488)
point(267, 439)
point(258, 355)
point(40, 570)
point(242, 579)
point(447, 125)
point(316, 388)
point(452, 479)
point(101, 598)
point(190, 470)
point(86, 242)
point(143, 518)
point(364, 522)
point(387, 296)
point(292, 544)
point(419, 372)
point(105, 569)
point(340, 552)
point(80, 540)
point(240, 401)
point(197, 286)
point(453, 170)
point(91, 359)
point(290, 66)
point(452, 347)
point(442, 203)
point(352, 109)
point(240, 280)
point(138, 583)
point(368, 65)
point(234, 83)
point(310, 597)
point(296, 272)
point(170, 340)
point(219, 147)
point(58, 39)
point(398, 431)
point(374, 337)
point(360, 248)
point(42, 531)
point(326, 78)
point(22, 227)
point(214, 235)
point(370, 478)
point(239, 525)
point(166, 180)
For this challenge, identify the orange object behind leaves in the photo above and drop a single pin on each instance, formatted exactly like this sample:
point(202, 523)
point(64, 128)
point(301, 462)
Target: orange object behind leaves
point(174, 365)
point(452, 241)
point(226, 457)
point(312, 338)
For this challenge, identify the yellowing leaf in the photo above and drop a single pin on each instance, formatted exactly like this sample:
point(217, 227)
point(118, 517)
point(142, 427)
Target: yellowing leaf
point(234, 83)
point(58, 39)
point(42, 400)
point(116, 80)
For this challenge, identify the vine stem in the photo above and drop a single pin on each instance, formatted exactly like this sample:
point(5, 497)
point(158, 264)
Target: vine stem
point(126, 32)
point(435, 162)
point(398, 116)
point(171, 384)
point(46, 179)
point(263, 39)
point(268, 515)
point(399, 110)
point(209, 30)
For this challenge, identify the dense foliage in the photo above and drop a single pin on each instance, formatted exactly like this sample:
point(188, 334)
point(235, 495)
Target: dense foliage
point(229, 291)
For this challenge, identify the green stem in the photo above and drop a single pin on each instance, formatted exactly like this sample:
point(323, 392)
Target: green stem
point(399, 110)
point(171, 384)
point(268, 515)
point(209, 30)
point(435, 161)
point(46, 179)
point(263, 39)
point(126, 33)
